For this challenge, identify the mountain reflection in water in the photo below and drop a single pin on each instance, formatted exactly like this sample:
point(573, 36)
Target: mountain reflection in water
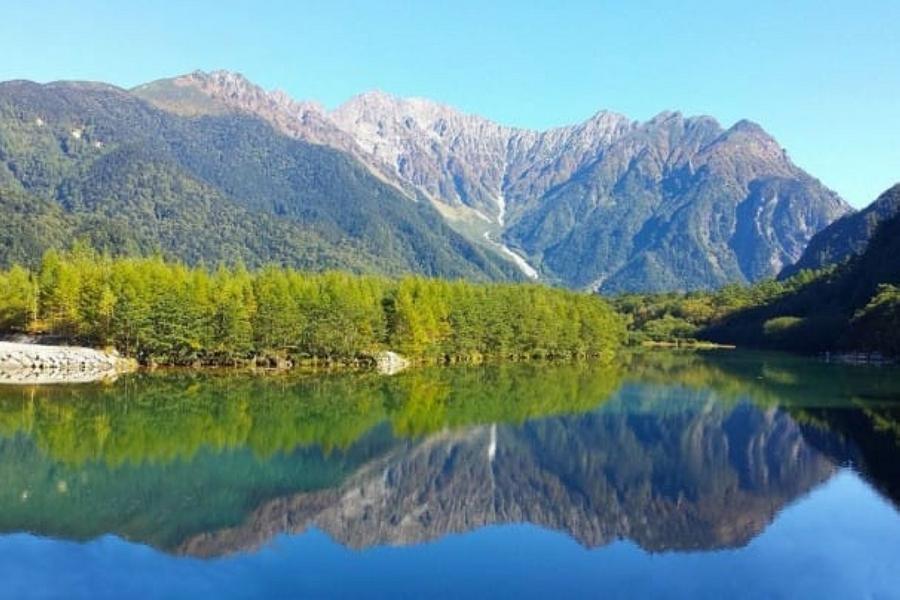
point(673, 451)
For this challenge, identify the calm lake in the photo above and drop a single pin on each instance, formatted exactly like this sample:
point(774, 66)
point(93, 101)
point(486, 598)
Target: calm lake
point(721, 474)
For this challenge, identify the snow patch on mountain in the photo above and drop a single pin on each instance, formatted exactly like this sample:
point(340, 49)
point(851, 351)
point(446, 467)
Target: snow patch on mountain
point(519, 261)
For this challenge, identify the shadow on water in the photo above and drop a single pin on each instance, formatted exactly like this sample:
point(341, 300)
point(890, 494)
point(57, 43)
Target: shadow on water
point(675, 451)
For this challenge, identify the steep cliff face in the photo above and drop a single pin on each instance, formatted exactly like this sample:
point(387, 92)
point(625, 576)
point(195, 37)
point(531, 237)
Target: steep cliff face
point(848, 236)
point(698, 479)
point(467, 160)
point(607, 204)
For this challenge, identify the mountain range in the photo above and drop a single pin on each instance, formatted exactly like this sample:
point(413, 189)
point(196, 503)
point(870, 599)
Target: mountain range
point(210, 167)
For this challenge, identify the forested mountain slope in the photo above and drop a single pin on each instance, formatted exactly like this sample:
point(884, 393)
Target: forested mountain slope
point(94, 161)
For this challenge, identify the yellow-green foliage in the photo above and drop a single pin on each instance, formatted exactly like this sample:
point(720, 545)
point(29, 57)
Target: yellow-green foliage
point(780, 326)
point(679, 316)
point(170, 313)
point(163, 417)
point(877, 325)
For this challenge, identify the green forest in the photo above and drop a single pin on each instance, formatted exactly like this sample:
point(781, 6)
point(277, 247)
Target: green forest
point(168, 313)
point(837, 308)
point(801, 314)
point(677, 316)
point(850, 306)
point(226, 188)
point(164, 416)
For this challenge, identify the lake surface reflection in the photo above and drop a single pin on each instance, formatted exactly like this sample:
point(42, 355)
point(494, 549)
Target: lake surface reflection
point(670, 474)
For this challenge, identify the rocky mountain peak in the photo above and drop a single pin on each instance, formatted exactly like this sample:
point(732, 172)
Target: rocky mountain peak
point(222, 91)
point(385, 116)
point(604, 118)
point(666, 116)
point(219, 77)
point(748, 132)
point(608, 203)
point(239, 92)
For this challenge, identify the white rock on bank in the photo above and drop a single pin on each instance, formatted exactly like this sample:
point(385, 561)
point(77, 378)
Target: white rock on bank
point(389, 363)
point(37, 364)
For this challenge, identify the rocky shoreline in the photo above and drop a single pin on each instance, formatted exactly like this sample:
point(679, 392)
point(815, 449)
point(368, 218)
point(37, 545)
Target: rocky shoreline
point(26, 362)
point(38, 364)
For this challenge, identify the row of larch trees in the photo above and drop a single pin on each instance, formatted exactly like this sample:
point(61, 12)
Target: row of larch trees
point(170, 313)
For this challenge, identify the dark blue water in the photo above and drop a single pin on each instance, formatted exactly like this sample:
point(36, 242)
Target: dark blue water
point(744, 476)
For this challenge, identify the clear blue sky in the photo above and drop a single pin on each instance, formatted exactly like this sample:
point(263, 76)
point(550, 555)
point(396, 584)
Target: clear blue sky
point(822, 76)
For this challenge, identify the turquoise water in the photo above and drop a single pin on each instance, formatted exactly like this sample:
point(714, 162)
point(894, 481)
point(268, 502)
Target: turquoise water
point(667, 475)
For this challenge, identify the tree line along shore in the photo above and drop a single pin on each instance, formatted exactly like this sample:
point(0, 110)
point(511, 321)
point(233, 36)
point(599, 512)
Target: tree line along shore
point(170, 314)
point(167, 313)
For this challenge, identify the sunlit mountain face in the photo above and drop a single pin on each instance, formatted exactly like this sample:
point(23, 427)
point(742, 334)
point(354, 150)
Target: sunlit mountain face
point(209, 168)
point(611, 204)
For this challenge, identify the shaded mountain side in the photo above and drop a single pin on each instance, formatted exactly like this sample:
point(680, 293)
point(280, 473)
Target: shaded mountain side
point(608, 204)
point(223, 93)
point(696, 479)
point(842, 309)
point(29, 226)
point(848, 236)
point(212, 188)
